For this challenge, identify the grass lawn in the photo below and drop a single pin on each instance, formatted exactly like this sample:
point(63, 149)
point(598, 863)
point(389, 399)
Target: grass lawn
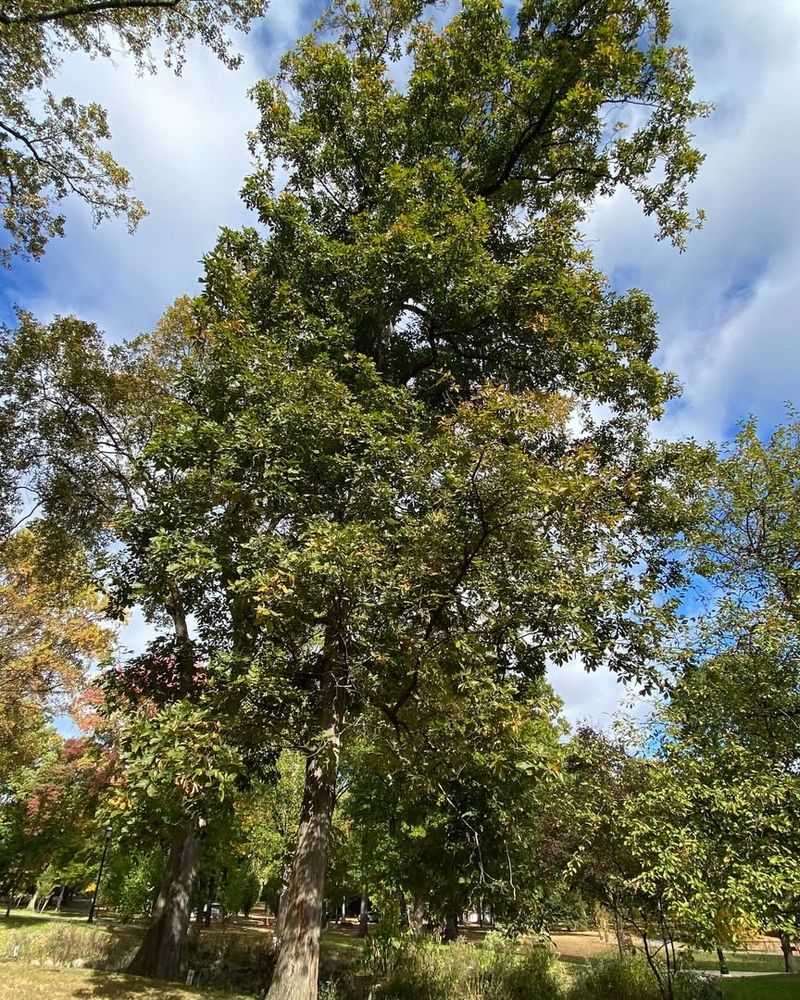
point(741, 961)
point(25, 918)
point(24, 982)
point(341, 944)
point(762, 988)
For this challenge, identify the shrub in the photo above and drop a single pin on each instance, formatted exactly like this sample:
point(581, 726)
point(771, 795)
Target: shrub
point(426, 970)
point(231, 960)
point(694, 986)
point(632, 979)
point(615, 979)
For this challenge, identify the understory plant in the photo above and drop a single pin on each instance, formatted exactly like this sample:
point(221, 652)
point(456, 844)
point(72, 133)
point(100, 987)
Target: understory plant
point(631, 978)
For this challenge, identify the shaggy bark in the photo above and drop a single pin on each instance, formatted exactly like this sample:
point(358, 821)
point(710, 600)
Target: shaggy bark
point(297, 967)
point(416, 915)
point(162, 953)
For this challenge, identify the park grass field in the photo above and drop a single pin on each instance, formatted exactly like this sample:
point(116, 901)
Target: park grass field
point(762, 988)
point(742, 961)
point(20, 980)
point(24, 982)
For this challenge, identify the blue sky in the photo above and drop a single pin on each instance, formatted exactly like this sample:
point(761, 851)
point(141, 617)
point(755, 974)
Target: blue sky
point(727, 305)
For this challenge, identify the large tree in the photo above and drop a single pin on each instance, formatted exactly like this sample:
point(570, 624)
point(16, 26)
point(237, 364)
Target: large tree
point(346, 554)
point(52, 147)
point(381, 481)
point(428, 237)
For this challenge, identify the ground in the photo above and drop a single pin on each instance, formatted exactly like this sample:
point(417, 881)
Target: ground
point(22, 981)
point(762, 988)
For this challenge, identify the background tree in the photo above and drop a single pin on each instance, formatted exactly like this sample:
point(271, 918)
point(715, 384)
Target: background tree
point(732, 730)
point(448, 813)
point(51, 809)
point(81, 415)
point(52, 628)
point(52, 148)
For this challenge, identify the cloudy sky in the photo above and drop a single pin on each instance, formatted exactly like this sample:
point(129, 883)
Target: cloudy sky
point(727, 305)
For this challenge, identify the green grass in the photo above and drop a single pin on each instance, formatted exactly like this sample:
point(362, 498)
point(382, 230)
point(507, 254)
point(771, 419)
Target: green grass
point(341, 944)
point(741, 961)
point(23, 982)
point(762, 988)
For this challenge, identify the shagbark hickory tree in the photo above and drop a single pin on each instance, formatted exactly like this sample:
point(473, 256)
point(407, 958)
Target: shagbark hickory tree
point(383, 560)
point(420, 509)
point(428, 236)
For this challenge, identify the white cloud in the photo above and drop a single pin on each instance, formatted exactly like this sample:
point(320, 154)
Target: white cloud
point(184, 141)
point(135, 633)
point(727, 317)
point(597, 698)
point(729, 305)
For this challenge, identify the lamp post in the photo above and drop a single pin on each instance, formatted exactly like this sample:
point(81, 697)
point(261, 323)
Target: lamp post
point(99, 875)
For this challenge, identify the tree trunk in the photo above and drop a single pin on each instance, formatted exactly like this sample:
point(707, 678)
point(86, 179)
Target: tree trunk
point(619, 930)
point(33, 901)
point(450, 926)
point(416, 915)
point(10, 899)
point(786, 948)
point(210, 901)
point(297, 965)
point(363, 928)
point(60, 902)
point(162, 953)
point(723, 965)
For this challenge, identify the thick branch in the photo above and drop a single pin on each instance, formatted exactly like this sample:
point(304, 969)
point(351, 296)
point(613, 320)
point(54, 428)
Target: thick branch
point(88, 10)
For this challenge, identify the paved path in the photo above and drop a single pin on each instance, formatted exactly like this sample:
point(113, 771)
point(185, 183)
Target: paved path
point(715, 974)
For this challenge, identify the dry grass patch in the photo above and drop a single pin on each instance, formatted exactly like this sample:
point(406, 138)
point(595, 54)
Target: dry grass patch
point(24, 982)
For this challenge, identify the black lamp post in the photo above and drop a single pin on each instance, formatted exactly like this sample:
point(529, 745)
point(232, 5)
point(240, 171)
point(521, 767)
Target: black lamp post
point(99, 875)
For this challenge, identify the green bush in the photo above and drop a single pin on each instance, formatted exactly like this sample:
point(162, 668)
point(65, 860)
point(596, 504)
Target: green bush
point(632, 979)
point(231, 960)
point(693, 986)
point(411, 969)
point(502, 970)
point(615, 979)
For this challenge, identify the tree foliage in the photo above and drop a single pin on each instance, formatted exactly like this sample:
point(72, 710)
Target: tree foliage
point(53, 147)
point(52, 628)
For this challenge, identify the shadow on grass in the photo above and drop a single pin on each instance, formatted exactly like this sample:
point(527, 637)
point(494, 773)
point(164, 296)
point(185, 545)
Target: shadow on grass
point(16, 922)
point(110, 986)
